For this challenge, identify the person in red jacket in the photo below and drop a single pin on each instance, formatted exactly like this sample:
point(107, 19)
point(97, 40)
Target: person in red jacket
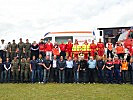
point(93, 48)
point(63, 49)
point(42, 48)
point(48, 48)
point(100, 47)
point(56, 50)
point(69, 48)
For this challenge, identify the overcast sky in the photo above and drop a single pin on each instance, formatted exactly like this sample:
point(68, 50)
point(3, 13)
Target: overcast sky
point(33, 18)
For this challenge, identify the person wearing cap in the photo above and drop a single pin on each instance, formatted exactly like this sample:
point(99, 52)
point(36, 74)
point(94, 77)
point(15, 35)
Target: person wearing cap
point(117, 69)
point(124, 68)
point(83, 69)
point(100, 68)
point(49, 48)
point(21, 49)
point(13, 50)
point(15, 69)
point(91, 68)
point(42, 48)
point(109, 71)
point(27, 49)
point(3, 47)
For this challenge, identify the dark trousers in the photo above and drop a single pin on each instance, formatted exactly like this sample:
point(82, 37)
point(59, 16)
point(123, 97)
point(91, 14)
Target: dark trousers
point(109, 53)
point(61, 76)
point(121, 55)
point(117, 75)
point(69, 75)
point(109, 76)
point(100, 75)
point(63, 53)
point(3, 55)
point(124, 75)
point(82, 74)
point(131, 76)
point(91, 75)
point(40, 73)
point(54, 72)
point(42, 53)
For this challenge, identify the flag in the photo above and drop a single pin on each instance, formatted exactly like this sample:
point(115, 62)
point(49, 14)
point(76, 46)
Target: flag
point(46, 34)
point(94, 35)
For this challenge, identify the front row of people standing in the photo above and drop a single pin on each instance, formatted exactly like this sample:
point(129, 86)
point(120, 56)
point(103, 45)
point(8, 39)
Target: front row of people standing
point(44, 70)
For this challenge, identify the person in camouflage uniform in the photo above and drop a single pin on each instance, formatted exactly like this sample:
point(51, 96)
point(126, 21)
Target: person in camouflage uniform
point(21, 50)
point(15, 69)
point(8, 54)
point(22, 69)
point(27, 70)
point(13, 50)
point(27, 48)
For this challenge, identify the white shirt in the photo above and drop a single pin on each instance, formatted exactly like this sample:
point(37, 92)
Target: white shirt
point(3, 46)
point(69, 64)
point(54, 64)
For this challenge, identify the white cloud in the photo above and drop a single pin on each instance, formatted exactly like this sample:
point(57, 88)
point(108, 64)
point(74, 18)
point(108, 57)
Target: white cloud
point(33, 18)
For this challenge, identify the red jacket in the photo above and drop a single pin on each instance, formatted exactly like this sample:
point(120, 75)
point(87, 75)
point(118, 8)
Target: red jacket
point(69, 47)
point(42, 47)
point(100, 45)
point(49, 46)
point(93, 47)
point(63, 47)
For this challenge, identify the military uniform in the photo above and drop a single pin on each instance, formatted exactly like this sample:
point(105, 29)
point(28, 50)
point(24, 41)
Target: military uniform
point(27, 49)
point(22, 66)
point(27, 70)
point(8, 54)
point(15, 67)
point(21, 47)
point(13, 50)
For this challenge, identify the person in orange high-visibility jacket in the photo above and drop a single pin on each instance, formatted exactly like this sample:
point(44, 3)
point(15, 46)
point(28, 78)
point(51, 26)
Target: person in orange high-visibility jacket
point(120, 50)
point(124, 68)
point(69, 46)
point(75, 49)
point(93, 48)
point(56, 50)
point(85, 49)
point(100, 48)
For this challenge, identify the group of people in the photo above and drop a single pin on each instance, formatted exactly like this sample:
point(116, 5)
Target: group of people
point(65, 63)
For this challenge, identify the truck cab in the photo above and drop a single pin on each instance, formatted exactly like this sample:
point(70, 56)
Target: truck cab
point(126, 38)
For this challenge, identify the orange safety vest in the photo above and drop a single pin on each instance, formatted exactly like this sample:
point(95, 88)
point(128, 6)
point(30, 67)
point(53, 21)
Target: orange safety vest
point(124, 66)
point(119, 49)
point(110, 46)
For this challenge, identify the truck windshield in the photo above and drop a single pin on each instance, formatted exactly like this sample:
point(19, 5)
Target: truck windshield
point(131, 35)
point(123, 36)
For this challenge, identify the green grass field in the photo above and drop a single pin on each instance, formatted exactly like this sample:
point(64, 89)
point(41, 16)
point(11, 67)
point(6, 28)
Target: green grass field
point(66, 91)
